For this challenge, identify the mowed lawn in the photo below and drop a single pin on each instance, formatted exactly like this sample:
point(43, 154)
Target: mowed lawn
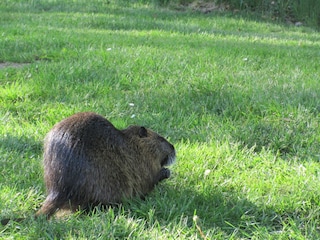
point(238, 96)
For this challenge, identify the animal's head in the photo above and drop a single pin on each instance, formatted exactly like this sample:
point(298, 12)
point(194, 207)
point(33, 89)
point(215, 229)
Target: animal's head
point(154, 147)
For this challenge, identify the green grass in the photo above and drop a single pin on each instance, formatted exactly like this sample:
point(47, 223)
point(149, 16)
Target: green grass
point(238, 97)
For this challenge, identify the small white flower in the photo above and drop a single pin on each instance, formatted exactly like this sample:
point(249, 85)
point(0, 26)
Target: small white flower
point(195, 218)
point(245, 59)
point(131, 104)
point(109, 49)
point(133, 116)
point(207, 172)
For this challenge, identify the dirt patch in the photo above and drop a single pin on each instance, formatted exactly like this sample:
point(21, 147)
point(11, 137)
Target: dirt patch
point(207, 7)
point(12, 65)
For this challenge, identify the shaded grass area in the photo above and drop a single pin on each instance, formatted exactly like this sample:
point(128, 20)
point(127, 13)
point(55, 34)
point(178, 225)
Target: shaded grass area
point(238, 97)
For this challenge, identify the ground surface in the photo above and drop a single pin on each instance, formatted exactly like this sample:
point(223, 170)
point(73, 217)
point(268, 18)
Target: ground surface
point(237, 95)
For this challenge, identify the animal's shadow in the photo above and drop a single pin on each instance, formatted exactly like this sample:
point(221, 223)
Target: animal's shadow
point(221, 208)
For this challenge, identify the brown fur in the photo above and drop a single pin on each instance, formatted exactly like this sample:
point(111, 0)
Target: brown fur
point(87, 161)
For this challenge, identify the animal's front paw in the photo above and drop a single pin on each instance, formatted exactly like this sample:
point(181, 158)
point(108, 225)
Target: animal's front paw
point(164, 174)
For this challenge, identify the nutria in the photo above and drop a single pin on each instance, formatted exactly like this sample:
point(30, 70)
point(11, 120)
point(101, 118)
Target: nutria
point(87, 161)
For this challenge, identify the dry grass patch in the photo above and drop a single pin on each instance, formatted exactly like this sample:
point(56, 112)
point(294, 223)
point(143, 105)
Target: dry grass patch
point(12, 65)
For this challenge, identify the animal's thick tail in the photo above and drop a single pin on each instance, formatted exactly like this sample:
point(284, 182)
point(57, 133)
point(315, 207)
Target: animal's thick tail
point(52, 203)
point(5, 221)
point(49, 207)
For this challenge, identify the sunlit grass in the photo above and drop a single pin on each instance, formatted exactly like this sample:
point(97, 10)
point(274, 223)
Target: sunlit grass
point(237, 96)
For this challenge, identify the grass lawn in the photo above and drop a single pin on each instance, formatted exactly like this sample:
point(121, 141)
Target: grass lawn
point(239, 97)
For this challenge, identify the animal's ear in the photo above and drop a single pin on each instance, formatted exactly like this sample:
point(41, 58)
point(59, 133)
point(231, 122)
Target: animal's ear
point(143, 132)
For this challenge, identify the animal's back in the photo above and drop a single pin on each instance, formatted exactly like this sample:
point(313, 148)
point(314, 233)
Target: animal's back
point(79, 159)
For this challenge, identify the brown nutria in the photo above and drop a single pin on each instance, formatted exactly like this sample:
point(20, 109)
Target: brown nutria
point(87, 161)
